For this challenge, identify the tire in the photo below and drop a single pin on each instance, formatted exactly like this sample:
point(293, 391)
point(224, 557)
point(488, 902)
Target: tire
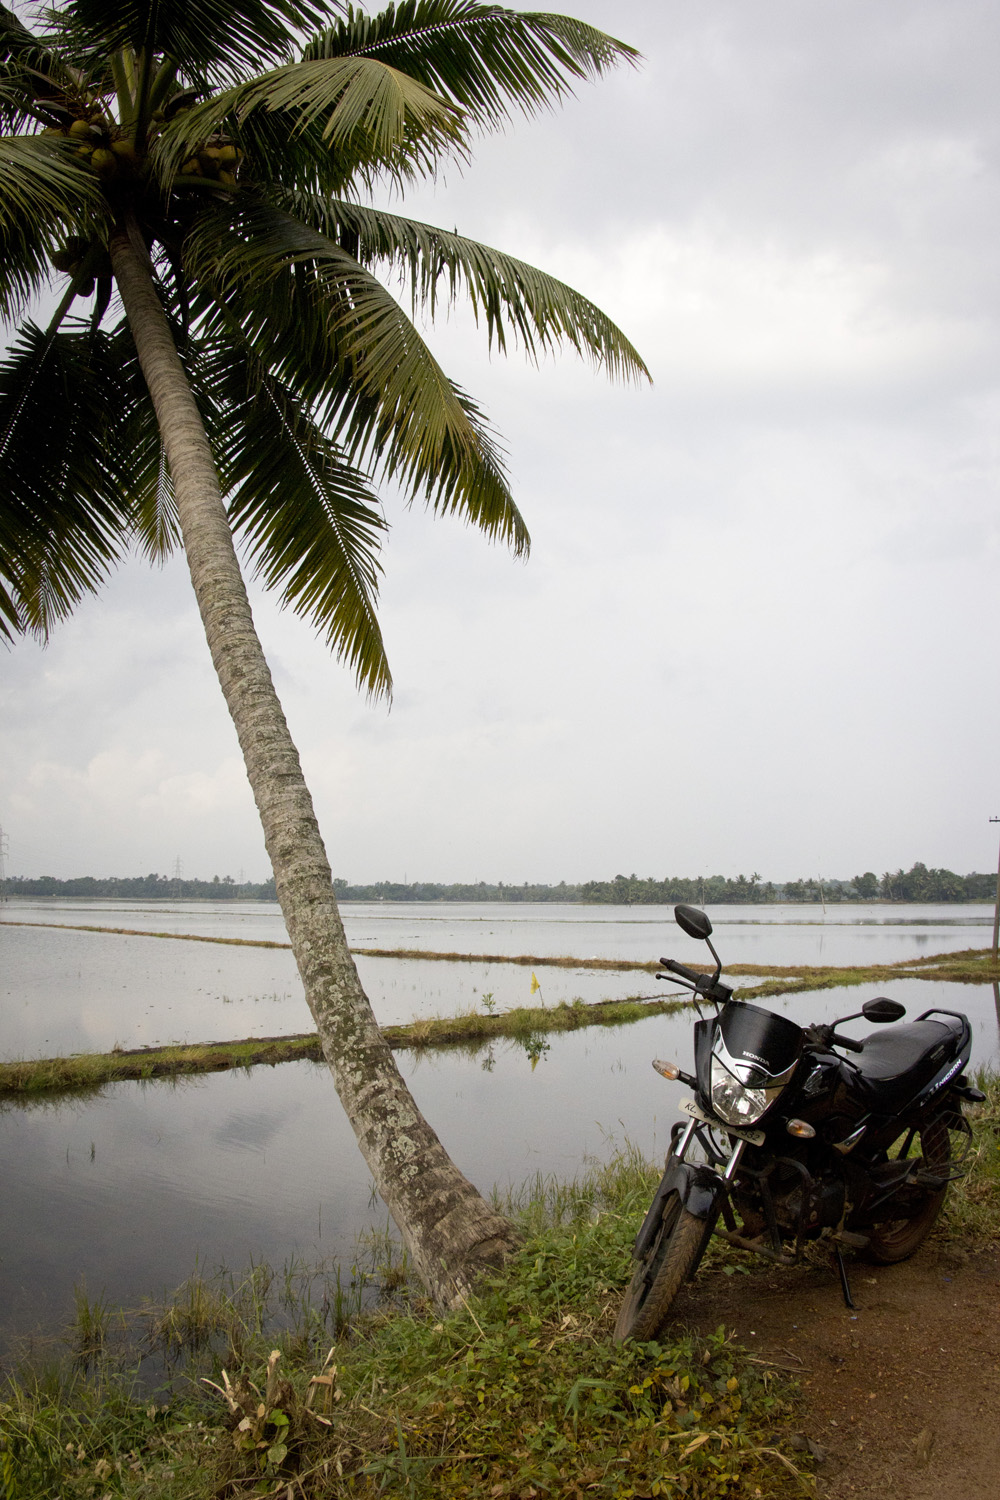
point(898, 1239)
point(659, 1276)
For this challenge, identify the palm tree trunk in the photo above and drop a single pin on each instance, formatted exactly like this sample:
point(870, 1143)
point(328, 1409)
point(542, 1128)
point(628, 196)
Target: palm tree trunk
point(450, 1231)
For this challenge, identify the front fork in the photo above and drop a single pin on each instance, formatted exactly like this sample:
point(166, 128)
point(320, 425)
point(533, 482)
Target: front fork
point(679, 1148)
point(702, 1189)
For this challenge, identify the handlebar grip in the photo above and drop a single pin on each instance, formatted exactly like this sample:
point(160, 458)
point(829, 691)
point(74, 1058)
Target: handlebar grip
point(846, 1041)
point(681, 969)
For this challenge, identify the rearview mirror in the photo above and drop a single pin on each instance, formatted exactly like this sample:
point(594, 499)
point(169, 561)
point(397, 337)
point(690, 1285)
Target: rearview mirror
point(692, 921)
point(882, 1009)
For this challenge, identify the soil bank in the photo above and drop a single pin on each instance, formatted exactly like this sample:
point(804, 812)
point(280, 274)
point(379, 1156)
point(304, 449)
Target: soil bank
point(902, 1395)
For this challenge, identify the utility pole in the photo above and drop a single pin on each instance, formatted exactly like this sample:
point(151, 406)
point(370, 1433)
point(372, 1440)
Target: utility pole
point(4, 851)
point(996, 909)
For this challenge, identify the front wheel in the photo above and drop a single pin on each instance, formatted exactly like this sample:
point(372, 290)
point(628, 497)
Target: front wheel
point(661, 1273)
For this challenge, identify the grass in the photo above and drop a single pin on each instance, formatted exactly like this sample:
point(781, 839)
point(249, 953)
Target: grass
point(522, 1393)
point(318, 1384)
point(971, 966)
point(972, 1208)
point(89, 1071)
point(94, 1070)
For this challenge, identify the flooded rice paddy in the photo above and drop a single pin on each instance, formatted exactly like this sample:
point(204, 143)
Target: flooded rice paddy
point(127, 1192)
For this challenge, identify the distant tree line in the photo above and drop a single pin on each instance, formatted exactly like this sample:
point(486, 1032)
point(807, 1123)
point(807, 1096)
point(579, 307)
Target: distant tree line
point(481, 890)
point(916, 884)
point(144, 887)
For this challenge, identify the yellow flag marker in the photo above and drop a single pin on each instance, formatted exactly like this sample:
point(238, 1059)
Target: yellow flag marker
point(534, 983)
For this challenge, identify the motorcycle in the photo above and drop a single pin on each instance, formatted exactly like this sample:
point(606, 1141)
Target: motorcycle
point(787, 1142)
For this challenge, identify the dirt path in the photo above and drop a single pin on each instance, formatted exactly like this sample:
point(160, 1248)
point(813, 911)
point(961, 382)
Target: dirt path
point(902, 1395)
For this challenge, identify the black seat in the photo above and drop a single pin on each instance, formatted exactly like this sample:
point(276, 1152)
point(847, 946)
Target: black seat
point(898, 1060)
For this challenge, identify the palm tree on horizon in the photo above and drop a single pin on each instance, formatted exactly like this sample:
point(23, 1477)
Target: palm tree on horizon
point(196, 170)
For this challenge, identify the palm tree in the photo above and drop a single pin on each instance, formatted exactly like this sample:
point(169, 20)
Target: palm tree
point(198, 172)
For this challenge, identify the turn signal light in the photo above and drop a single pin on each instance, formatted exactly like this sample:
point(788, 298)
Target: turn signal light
point(666, 1069)
point(800, 1128)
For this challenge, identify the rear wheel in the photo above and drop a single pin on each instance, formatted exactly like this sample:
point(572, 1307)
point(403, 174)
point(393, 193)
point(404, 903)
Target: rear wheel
point(898, 1239)
point(661, 1273)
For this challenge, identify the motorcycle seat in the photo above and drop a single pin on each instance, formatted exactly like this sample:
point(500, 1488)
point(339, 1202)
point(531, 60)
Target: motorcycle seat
point(899, 1058)
point(893, 1050)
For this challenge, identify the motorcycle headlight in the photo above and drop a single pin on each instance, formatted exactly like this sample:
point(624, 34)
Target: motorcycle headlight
point(741, 1100)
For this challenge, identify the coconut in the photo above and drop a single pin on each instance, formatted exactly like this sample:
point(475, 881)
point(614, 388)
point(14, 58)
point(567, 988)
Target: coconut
point(104, 162)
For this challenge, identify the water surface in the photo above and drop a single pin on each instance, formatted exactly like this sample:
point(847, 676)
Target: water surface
point(128, 1192)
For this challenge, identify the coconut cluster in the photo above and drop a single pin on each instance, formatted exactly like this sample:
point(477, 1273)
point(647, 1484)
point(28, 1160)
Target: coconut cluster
point(101, 144)
point(218, 159)
point(112, 155)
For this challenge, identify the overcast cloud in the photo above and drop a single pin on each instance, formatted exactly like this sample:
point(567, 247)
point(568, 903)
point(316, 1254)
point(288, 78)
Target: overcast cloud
point(758, 628)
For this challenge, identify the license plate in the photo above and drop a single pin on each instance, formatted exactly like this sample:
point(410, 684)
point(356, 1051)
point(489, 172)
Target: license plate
point(752, 1137)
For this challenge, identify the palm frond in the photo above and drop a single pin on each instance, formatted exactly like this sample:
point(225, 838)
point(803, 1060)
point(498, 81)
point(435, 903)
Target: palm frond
point(18, 111)
point(152, 511)
point(514, 299)
point(44, 195)
point(338, 336)
point(19, 44)
point(310, 519)
point(342, 102)
point(231, 38)
point(64, 512)
point(484, 58)
point(42, 180)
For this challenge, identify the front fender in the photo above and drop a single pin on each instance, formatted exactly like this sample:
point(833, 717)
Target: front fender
point(699, 1189)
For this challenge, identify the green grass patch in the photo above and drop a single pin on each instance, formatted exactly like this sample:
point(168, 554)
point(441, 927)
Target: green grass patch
point(87, 1072)
point(346, 1385)
point(91, 1071)
point(972, 1208)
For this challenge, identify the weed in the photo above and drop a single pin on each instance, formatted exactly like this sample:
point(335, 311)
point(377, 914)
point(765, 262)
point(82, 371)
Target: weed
point(522, 1390)
point(89, 1331)
point(535, 1049)
point(972, 1208)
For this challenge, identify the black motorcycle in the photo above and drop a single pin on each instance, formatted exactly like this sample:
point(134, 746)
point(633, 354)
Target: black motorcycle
point(786, 1141)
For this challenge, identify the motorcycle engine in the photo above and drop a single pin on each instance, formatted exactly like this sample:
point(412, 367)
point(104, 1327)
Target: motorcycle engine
point(818, 1204)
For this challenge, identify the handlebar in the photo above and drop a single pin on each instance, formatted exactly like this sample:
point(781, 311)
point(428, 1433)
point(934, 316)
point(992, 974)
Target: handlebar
point(681, 969)
point(824, 1036)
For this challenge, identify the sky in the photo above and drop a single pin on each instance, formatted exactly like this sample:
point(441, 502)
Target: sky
point(757, 631)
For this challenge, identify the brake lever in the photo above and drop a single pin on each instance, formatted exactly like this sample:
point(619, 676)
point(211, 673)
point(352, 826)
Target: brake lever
point(682, 982)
